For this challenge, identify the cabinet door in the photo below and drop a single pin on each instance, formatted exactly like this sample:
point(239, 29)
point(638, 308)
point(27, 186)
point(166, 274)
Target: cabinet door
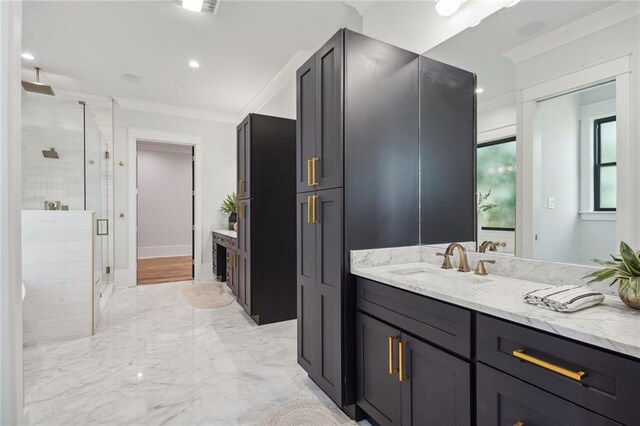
point(244, 226)
point(244, 158)
point(503, 400)
point(329, 275)
point(308, 330)
point(378, 386)
point(305, 124)
point(437, 386)
point(329, 137)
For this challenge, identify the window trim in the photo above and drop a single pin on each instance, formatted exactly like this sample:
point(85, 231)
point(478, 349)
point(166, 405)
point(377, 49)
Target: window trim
point(598, 165)
point(493, 143)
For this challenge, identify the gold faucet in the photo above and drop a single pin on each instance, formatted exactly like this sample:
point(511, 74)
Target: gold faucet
point(491, 245)
point(480, 269)
point(463, 264)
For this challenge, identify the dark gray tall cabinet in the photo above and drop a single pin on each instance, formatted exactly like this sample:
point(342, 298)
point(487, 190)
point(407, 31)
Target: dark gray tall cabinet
point(266, 284)
point(357, 178)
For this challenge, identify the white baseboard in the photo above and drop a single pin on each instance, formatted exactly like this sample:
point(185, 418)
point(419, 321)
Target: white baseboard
point(164, 251)
point(123, 278)
point(206, 272)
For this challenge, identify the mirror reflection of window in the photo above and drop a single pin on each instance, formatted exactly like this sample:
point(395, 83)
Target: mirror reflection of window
point(496, 187)
point(605, 169)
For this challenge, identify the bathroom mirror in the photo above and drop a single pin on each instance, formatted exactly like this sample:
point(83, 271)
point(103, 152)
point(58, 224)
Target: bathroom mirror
point(554, 106)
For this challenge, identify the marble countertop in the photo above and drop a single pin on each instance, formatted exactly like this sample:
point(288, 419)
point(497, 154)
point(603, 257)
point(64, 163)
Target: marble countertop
point(227, 232)
point(610, 325)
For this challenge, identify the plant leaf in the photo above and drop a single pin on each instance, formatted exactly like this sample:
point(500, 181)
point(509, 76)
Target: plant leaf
point(630, 259)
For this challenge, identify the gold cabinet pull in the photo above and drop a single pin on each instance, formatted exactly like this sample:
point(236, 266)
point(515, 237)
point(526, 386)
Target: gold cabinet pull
point(392, 368)
point(309, 208)
point(240, 191)
point(315, 209)
point(309, 166)
point(401, 347)
point(575, 375)
point(314, 171)
point(241, 210)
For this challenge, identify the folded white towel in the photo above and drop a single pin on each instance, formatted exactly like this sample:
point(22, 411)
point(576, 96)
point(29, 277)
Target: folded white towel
point(564, 298)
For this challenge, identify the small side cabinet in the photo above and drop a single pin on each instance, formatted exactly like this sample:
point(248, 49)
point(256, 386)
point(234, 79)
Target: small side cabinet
point(404, 380)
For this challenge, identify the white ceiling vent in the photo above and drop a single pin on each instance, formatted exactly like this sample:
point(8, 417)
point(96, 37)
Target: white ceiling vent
point(208, 6)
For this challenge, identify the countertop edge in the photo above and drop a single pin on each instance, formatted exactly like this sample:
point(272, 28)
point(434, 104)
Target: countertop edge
point(538, 324)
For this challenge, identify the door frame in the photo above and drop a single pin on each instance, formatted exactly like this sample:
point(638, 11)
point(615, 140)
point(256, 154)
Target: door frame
point(617, 70)
point(161, 136)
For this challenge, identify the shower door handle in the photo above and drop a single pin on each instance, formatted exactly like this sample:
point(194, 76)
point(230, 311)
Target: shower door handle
point(99, 229)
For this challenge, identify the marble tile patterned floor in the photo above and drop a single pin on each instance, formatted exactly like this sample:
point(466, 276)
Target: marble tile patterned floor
point(155, 360)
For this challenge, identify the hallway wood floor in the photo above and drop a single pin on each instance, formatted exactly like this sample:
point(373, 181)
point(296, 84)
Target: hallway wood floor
point(158, 270)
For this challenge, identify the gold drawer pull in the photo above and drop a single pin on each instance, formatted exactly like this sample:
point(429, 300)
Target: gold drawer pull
point(575, 375)
point(241, 210)
point(392, 368)
point(309, 166)
point(401, 374)
point(309, 208)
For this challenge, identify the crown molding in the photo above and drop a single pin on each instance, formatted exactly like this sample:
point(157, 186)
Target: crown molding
point(277, 83)
point(590, 24)
point(497, 102)
point(174, 110)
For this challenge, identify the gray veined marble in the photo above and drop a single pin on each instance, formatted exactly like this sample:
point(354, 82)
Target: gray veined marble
point(611, 325)
point(156, 360)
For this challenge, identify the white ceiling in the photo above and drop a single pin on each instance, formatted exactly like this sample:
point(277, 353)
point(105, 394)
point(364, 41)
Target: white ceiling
point(479, 49)
point(85, 47)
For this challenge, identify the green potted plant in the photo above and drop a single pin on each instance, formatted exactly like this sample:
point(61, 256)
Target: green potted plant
point(626, 269)
point(229, 206)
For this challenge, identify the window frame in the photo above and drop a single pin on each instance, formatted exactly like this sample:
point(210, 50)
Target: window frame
point(598, 164)
point(493, 143)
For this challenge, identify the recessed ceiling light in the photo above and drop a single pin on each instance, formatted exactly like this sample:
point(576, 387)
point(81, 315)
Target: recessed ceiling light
point(479, 90)
point(447, 7)
point(476, 24)
point(513, 3)
point(194, 64)
point(28, 56)
point(192, 5)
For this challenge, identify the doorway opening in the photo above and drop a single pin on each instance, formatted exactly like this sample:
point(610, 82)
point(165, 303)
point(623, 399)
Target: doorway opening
point(165, 198)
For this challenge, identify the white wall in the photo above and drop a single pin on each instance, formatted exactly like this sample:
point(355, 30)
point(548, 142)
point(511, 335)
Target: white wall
point(283, 104)
point(11, 383)
point(559, 178)
point(164, 200)
point(218, 158)
point(57, 271)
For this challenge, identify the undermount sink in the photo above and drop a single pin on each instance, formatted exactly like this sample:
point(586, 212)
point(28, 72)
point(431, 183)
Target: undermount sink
point(426, 272)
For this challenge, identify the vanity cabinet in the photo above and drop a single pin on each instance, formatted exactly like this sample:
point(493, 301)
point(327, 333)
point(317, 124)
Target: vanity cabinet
point(404, 379)
point(487, 372)
point(266, 269)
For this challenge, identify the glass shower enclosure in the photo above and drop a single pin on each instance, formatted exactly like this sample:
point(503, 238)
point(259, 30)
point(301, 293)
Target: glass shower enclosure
point(66, 165)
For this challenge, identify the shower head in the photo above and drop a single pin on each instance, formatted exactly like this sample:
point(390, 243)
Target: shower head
point(50, 153)
point(36, 86)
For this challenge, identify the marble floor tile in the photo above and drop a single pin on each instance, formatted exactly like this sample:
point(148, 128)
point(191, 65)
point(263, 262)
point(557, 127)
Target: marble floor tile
point(155, 360)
